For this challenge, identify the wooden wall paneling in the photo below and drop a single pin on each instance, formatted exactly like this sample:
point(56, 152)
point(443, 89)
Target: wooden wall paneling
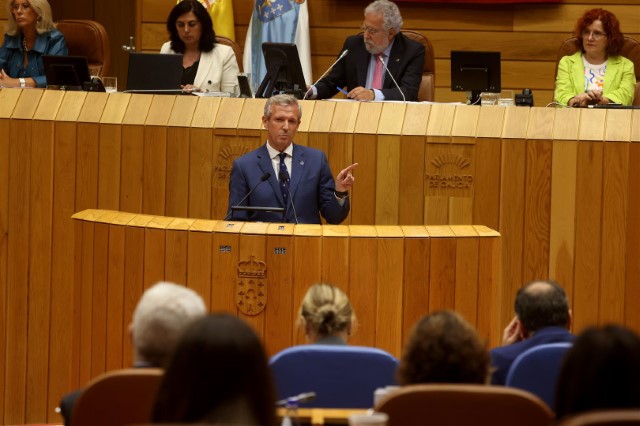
point(538, 195)
point(388, 164)
point(40, 244)
point(110, 151)
point(155, 251)
point(463, 134)
point(632, 287)
point(363, 264)
point(466, 273)
point(306, 267)
point(199, 259)
point(491, 296)
point(412, 176)
point(133, 278)
point(335, 262)
point(17, 290)
point(340, 153)
point(415, 304)
point(588, 225)
point(442, 277)
point(390, 289)
point(281, 308)
point(486, 191)
point(252, 248)
point(201, 163)
point(116, 322)
point(363, 200)
point(318, 136)
point(564, 174)
point(158, 161)
point(226, 147)
point(132, 153)
point(562, 18)
point(614, 231)
point(87, 151)
point(512, 201)
point(178, 154)
point(176, 250)
point(226, 250)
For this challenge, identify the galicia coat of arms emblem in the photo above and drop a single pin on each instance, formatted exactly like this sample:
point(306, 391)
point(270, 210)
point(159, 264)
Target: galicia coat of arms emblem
point(251, 286)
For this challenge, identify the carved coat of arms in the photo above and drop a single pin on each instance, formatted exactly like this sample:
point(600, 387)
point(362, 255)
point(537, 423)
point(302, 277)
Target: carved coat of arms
point(251, 288)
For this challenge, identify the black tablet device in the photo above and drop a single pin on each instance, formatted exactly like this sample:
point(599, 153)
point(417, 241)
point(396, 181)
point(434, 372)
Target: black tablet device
point(66, 72)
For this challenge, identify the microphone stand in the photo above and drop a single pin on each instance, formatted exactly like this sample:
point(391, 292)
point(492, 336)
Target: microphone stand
point(342, 55)
point(394, 80)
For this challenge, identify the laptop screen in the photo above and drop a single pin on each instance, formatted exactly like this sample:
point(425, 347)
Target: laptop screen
point(154, 72)
point(70, 72)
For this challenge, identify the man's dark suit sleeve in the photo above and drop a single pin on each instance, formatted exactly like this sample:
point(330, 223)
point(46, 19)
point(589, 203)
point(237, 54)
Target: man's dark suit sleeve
point(331, 210)
point(327, 87)
point(238, 188)
point(411, 78)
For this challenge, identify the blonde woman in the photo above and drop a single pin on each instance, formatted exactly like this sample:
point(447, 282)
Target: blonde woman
point(30, 34)
point(326, 315)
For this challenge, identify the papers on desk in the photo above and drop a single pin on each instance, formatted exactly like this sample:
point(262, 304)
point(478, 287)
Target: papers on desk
point(214, 94)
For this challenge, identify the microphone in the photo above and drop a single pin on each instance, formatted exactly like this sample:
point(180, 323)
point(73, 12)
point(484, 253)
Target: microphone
point(303, 397)
point(394, 80)
point(284, 178)
point(264, 177)
point(342, 55)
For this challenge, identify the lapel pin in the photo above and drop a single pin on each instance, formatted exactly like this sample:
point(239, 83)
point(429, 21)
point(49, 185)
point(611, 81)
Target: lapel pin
point(302, 162)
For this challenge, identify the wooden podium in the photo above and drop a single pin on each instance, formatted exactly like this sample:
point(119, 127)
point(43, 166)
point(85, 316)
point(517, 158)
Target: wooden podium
point(259, 271)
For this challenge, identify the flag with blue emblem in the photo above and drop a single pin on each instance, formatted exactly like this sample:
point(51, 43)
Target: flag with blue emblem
point(277, 21)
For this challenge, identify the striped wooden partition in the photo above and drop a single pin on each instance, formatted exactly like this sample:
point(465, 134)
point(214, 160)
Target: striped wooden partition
point(393, 274)
point(557, 184)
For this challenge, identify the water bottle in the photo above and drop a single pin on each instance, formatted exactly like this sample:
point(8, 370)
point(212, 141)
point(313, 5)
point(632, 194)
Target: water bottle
point(291, 413)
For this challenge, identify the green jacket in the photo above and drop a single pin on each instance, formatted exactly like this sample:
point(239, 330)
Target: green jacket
point(619, 79)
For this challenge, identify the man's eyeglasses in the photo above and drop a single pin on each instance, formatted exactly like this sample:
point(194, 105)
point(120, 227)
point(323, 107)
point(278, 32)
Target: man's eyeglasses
point(595, 34)
point(371, 31)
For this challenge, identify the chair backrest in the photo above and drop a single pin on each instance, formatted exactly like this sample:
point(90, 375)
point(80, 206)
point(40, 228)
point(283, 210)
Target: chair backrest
point(428, 85)
point(536, 370)
point(90, 39)
point(449, 404)
point(118, 398)
point(603, 418)
point(341, 376)
point(630, 50)
point(234, 46)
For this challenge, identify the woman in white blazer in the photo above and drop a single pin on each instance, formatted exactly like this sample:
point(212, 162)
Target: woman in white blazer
point(208, 67)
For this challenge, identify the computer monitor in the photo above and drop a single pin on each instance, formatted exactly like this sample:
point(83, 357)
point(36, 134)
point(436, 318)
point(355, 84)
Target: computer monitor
point(66, 72)
point(284, 72)
point(154, 73)
point(475, 72)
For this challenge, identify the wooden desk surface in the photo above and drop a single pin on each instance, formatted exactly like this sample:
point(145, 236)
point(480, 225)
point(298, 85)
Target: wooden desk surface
point(325, 416)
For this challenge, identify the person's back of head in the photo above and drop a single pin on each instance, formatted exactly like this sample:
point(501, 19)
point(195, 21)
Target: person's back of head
point(325, 312)
point(218, 373)
point(162, 313)
point(600, 371)
point(443, 348)
point(541, 304)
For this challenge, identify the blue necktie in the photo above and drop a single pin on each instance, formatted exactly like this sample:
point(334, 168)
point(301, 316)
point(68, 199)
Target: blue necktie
point(283, 176)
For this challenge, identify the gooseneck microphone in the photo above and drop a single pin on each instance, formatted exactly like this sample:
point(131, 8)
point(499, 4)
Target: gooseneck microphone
point(283, 178)
point(394, 80)
point(303, 397)
point(342, 55)
point(263, 178)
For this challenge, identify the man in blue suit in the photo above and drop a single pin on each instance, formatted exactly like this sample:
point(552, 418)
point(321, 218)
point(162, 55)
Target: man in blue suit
point(282, 174)
point(542, 316)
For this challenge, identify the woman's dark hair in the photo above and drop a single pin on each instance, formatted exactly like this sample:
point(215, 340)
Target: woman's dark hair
point(611, 27)
point(444, 348)
point(207, 36)
point(218, 373)
point(600, 371)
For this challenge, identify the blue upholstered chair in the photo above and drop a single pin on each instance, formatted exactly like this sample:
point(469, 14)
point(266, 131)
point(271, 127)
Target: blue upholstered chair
point(341, 376)
point(536, 370)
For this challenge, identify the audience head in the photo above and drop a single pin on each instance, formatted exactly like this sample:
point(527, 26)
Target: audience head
point(219, 374)
point(541, 304)
point(612, 38)
point(162, 314)
point(382, 21)
point(36, 15)
point(443, 348)
point(600, 371)
point(189, 22)
point(326, 311)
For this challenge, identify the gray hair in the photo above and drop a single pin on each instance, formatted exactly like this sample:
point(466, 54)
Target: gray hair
point(389, 11)
point(44, 23)
point(161, 315)
point(282, 100)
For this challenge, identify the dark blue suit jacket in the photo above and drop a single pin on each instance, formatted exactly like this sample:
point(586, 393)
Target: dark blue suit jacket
point(503, 357)
point(312, 188)
point(405, 63)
